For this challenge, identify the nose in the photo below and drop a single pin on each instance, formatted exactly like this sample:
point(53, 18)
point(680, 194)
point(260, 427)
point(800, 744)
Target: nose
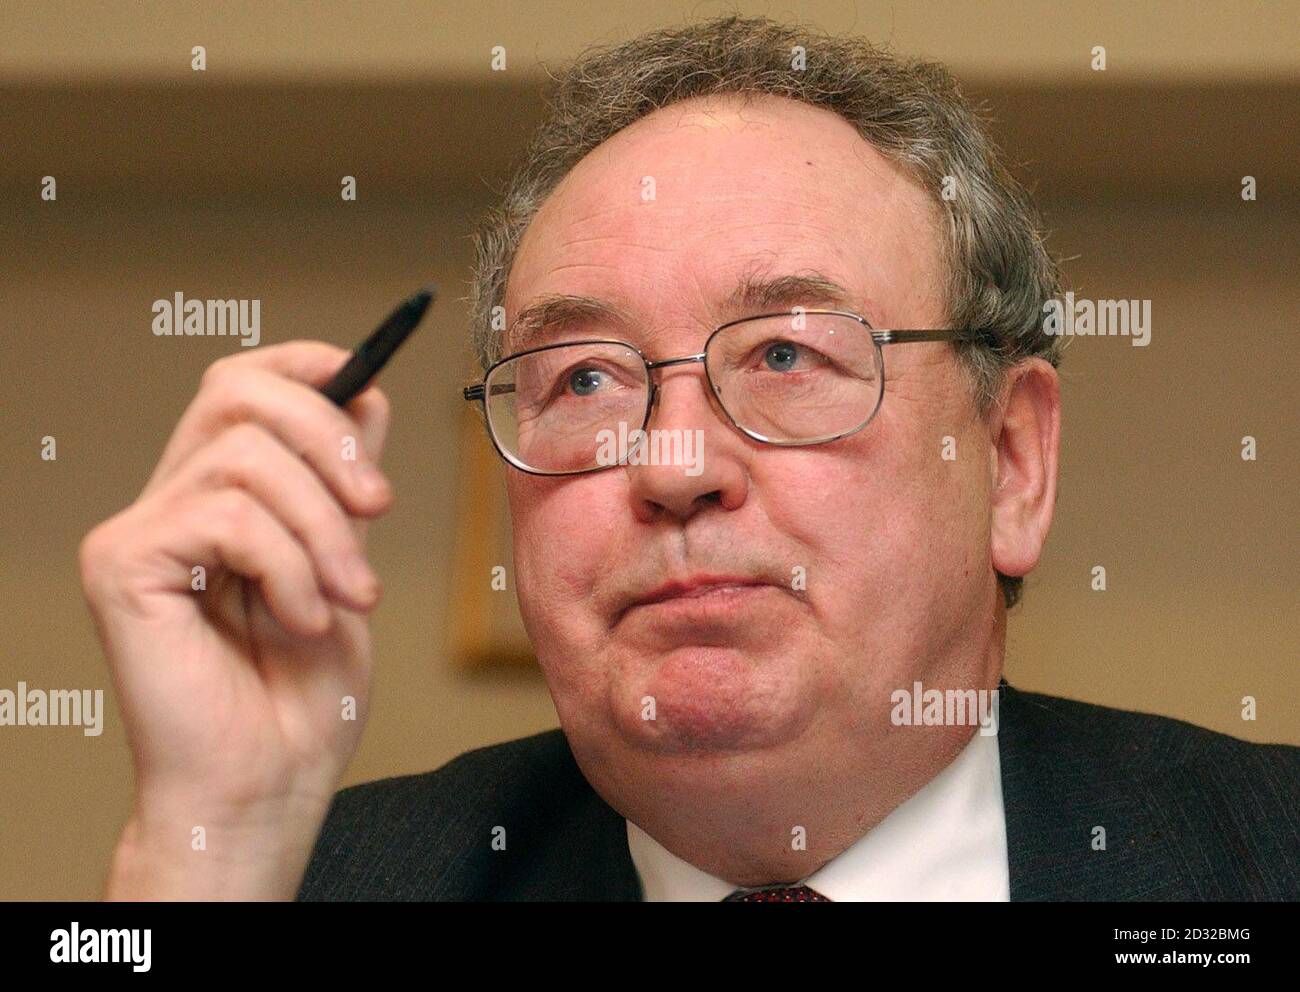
point(694, 458)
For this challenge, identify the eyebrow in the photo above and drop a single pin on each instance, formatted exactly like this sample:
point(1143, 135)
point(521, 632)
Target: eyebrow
point(549, 315)
point(555, 312)
point(755, 292)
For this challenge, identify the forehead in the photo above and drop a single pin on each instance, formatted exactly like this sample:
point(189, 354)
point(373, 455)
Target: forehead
point(667, 218)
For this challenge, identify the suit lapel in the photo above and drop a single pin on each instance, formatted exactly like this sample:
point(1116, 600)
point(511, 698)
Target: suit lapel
point(1059, 783)
point(574, 843)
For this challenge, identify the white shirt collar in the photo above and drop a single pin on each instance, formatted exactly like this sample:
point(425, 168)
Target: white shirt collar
point(946, 843)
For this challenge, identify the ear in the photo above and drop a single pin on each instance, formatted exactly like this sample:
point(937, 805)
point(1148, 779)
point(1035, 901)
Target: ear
point(1026, 442)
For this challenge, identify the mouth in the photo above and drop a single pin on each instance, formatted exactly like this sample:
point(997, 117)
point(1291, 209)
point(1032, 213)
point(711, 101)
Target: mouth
point(696, 587)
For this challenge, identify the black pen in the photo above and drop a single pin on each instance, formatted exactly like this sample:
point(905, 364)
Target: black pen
point(373, 353)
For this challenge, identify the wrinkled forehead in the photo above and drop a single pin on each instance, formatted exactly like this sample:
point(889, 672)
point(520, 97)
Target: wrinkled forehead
point(672, 216)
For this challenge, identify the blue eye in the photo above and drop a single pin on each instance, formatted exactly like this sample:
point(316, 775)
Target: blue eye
point(584, 382)
point(781, 356)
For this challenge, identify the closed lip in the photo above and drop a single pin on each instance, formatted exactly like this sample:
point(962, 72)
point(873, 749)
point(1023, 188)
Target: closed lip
point(693, 586)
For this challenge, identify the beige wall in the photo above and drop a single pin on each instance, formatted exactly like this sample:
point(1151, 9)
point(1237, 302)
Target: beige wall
point(229, 186)
point(450, 38)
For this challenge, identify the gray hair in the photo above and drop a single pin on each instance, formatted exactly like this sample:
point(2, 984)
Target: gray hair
point(999, 272)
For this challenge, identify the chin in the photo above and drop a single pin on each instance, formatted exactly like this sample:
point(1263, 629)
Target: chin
point(709, 700)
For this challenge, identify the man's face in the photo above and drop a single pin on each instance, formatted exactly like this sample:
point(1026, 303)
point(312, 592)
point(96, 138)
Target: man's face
point(747, 690)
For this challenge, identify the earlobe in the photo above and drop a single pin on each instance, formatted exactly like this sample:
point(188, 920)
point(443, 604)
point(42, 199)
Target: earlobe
point(1026, 450)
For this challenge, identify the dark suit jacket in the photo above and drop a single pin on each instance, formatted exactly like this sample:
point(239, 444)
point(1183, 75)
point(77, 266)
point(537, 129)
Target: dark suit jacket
point(1189, 814)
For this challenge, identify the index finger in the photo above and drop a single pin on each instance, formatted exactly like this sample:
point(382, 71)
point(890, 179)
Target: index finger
point(309, 363)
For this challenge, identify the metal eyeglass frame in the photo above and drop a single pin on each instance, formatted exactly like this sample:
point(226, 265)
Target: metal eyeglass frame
point(879, 339)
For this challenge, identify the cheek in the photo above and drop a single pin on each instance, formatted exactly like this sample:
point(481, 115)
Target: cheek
point(935, 521)
point(563, 532)
point(882, 518)
point(562, 529)
point(825, 503)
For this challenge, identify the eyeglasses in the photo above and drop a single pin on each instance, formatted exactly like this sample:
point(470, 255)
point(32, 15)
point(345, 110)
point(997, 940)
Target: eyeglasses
point(797, 377)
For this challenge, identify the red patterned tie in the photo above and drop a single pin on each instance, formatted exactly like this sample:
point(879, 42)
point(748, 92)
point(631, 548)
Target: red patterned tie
point(777, 893)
